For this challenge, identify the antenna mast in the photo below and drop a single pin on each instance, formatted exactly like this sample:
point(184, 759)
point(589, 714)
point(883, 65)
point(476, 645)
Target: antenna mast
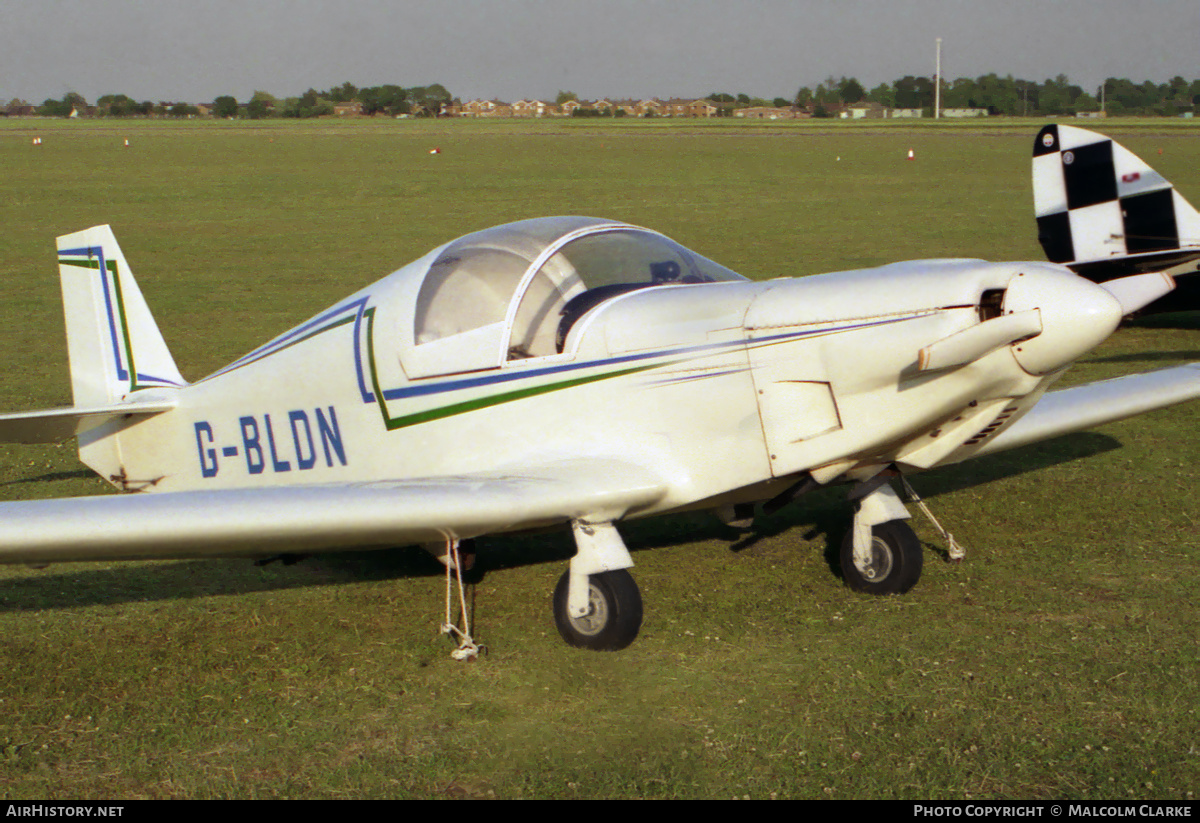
point(937, 82)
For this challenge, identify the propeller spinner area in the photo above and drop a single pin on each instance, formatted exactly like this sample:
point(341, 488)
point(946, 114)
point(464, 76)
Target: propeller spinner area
point(1050, 317)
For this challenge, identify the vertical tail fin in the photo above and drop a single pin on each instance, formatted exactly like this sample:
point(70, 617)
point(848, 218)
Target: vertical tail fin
point(1098, 203)
point(113, 343)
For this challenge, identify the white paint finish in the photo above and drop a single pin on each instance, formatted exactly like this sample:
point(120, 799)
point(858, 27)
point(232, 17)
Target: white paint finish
point(346, 431)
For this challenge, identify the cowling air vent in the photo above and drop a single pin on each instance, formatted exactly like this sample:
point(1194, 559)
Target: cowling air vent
point(992, 427)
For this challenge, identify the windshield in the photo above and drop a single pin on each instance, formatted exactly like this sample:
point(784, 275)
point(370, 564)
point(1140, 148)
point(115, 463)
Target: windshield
point(639, 257)
point(472, 282)
point(592, 269)
point(507, 293)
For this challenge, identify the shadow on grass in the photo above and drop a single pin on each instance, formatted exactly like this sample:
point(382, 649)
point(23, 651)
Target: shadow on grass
point(71, 586)
point(66, 586)
point(971, 473)
point(823, 512)
point(1145, 357)
point(80, 474)
point(827, 513)
point(1170, 320)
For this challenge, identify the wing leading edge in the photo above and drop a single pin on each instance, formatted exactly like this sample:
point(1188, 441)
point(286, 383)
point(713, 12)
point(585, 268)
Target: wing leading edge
point(265, 521)
point(1094, 404)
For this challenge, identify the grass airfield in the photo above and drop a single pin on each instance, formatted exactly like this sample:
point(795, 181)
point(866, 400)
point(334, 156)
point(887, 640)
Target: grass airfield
point(1058, 661)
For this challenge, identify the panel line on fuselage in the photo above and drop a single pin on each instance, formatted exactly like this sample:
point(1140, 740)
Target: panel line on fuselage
point(661, 358)
point(362, 316)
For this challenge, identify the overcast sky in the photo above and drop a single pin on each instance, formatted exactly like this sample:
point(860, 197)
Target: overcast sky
point(195, 50)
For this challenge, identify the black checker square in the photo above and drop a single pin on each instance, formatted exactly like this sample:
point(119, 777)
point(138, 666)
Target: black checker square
point(1150, 222)
point(1043, 144)
point(1089, 174)
point(1054, 233)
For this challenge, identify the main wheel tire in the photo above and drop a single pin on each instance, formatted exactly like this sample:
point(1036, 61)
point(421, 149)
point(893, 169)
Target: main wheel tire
point(614, 612)
point(896, 559)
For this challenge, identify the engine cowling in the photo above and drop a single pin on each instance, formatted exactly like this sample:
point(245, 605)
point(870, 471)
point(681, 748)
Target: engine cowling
point(1076, 314)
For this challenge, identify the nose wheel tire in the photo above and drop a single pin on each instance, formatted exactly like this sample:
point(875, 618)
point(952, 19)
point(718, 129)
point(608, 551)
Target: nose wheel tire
point(614, 612)
point(896, 559)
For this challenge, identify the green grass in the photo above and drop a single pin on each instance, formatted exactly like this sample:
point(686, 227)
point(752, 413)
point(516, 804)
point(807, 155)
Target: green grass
point(1059, 660)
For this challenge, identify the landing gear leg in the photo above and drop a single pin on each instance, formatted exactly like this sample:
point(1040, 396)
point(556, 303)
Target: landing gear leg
point(597, 604)
point(881, 554)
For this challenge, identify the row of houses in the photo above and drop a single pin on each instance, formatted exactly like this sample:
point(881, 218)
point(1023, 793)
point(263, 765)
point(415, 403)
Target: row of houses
point(868, 110)
point(683, 107)
point(654, 107)
point(650, 107)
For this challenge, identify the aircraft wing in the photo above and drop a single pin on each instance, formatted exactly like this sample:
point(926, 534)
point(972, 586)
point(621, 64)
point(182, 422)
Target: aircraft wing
point(1094, 404)
point(55, 425)
point(292, 519)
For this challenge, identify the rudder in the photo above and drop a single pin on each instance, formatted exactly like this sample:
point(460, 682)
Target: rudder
point(113, 344)
point(1095, 200)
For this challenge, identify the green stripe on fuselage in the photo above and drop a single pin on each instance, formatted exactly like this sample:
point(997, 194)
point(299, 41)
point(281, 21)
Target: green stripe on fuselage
point(474, 404)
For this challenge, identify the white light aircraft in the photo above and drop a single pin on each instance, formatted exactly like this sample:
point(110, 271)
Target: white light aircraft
point(565, 371)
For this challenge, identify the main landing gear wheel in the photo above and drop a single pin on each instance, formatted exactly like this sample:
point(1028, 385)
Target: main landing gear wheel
point(614, 612)
point(896, 560)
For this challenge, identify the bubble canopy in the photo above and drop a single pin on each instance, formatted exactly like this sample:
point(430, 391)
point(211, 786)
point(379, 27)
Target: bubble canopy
point(513, 292)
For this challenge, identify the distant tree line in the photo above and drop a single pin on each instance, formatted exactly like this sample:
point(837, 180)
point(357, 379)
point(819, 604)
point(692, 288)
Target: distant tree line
point(422, 101)
point(1011, 96)
point(390, 100)
point(109, 105)
point(999, 95)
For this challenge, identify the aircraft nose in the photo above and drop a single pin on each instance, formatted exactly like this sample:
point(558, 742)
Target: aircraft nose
point(1077, 315)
